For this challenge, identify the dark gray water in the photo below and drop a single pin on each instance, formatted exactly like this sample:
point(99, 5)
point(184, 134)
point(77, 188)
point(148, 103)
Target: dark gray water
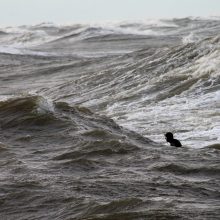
point(83, 110)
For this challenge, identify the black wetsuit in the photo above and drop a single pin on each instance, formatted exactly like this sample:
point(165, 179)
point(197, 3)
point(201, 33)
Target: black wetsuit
point(175, 142)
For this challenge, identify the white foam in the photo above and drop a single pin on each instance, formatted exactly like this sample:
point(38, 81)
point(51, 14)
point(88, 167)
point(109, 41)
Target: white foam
point(25, 37)
point(141, 27)
point(156, 22)
point(23, 51)
point(190, 38)
point(192, 115)
point(4, 98)
point(45, 106)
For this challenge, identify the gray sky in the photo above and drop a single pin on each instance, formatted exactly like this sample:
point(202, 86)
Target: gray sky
point(17, 12)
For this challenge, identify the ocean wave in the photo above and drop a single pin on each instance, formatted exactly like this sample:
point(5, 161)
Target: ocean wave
point(214, 146)
point(183, 169)
point(115, 206)
point(3, 33)
point(93, 34)
point(98, 135)
point(63, 38)
point(100, 147)
point(24, 111)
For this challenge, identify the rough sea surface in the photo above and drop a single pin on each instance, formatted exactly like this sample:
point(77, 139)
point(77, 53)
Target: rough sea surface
point(83, 112)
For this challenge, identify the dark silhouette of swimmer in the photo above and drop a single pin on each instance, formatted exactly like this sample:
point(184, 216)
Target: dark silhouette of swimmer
point(171, 140)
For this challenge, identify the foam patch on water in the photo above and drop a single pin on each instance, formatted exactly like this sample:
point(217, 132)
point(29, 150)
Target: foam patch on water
point(45, 106)
point(190, 38)
point(23, 51)
point(4, 98)
point(108, 29)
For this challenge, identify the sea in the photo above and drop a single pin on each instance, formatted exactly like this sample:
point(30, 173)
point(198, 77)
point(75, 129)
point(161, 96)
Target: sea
point(83, 113)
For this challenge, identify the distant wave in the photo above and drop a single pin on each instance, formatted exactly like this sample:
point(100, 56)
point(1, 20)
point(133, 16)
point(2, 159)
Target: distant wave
point(3, 33)
point(47, 36)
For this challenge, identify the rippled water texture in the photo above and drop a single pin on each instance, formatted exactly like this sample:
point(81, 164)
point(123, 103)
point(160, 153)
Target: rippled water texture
point(83, 112)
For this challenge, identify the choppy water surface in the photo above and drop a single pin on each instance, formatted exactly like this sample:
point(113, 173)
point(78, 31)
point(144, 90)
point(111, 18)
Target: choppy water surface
point(83, 112)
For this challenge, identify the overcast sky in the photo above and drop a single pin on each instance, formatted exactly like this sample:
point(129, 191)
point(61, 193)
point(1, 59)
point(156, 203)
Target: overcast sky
point(17, 12)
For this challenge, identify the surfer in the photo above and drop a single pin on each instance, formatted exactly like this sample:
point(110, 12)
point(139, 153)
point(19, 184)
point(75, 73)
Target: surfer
point(171, 140)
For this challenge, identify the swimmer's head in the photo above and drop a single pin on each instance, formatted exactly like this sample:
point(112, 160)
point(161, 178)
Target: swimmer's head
point(169, 136)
